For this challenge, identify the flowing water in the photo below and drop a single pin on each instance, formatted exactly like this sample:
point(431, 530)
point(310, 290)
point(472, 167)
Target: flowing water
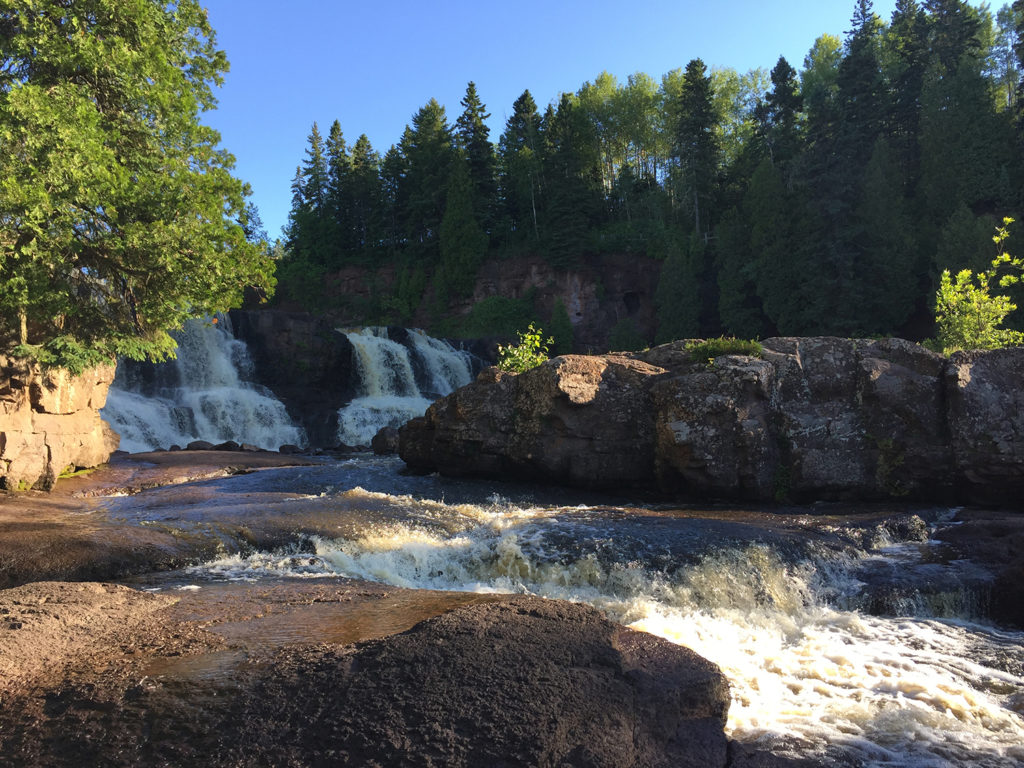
point(840, 640)
point(391, 392)
point(778, 601)
point(207, 393)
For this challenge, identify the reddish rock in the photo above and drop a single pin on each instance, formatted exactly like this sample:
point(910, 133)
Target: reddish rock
point(49, 422)
point(521, 682)
point(816, 418)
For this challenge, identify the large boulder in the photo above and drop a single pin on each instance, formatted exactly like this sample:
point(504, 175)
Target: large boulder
point(50, 423)
point(985, 405)
point(578, 419)
point(814, 418)
point(521, 682)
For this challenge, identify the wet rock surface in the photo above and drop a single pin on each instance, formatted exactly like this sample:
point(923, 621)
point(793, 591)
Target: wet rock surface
point(815, 419)
point(507, 681)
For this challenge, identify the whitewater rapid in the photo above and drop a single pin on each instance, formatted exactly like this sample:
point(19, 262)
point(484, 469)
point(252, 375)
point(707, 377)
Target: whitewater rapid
point(811, 672)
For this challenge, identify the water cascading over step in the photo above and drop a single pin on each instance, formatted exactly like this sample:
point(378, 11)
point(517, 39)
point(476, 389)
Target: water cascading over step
point(398, 380)
point(207, 393)
point(812, 674)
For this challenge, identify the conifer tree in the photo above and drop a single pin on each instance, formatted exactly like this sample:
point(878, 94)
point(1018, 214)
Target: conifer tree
point(520, 167)
point(337, 223)
point(463, 242)
point(473, 138)
point(429, 152)
point(697, 148)
point(365, 195)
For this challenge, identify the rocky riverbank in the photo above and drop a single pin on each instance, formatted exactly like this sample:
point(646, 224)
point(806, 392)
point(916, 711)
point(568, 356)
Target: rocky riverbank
point(331, 670)
point(50, 423)
point(812, 419)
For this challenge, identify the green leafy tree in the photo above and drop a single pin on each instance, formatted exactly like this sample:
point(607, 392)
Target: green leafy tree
point(119, 216)
point(967, 315)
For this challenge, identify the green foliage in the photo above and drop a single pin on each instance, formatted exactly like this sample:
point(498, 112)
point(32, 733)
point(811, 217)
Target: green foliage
point(497, 316)
point(121, 218)
point(967, 315)
point(463, 243)
point(561, 329)
point(724, 345)
point(626, 337)
point(678, 293)
point(530, 352)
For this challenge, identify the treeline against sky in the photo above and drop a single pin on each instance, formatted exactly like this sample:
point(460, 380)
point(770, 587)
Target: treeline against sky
point(820, 201)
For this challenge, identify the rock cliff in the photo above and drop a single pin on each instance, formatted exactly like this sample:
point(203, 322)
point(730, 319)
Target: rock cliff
point(49, 422)
point(814, 418)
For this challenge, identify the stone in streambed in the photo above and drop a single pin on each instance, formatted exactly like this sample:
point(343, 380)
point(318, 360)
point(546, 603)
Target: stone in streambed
point(521, 682)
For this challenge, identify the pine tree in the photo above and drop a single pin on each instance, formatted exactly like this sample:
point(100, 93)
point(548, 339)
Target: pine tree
point(429, 153)
point(473, 138)
point(782, 108)
point(889, 283)
point(678, 298)
point(573, 182)
point(697, 147)
point(365, 195)
point(905, 49)
point(336, 211)
point(520, 167)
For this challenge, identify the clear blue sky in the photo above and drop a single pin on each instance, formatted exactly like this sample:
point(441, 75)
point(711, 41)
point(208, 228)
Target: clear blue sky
point(371, 65)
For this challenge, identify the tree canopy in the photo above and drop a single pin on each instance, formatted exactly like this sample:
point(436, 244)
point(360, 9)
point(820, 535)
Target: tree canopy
point(824, 200)
point(119, 215)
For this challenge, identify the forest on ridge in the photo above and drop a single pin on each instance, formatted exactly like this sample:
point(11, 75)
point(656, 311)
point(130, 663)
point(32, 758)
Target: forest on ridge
point(824, 200)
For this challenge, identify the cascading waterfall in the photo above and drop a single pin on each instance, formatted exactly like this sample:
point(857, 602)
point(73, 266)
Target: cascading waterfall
point(205, 394)
point(391, 393)
point(811, 674)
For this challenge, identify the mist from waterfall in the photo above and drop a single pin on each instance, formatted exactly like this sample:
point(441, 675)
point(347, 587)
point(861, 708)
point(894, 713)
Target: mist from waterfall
point(207, 393)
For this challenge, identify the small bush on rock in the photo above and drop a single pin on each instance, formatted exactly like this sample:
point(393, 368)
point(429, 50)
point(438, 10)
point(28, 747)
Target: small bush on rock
point(530, 352)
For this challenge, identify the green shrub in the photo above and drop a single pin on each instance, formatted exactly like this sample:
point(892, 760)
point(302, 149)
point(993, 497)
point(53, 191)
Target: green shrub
point(724, 345)
point(530, 352)
point(967, 316)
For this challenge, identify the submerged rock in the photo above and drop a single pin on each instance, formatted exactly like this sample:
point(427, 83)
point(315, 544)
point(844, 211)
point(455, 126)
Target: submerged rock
point(816, 418)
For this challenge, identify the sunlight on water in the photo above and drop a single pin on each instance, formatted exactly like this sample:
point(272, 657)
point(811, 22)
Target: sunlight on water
point(805, 676)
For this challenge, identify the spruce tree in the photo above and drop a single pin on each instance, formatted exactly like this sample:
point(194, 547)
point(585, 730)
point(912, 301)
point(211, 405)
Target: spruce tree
point(697, 147)
point(473, 138)
point(429, 153)
point(337, 222)
point(520, 167)
point(365, 195)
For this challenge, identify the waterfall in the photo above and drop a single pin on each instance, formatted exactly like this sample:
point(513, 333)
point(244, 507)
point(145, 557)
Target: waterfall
point(396, 379)
point(207, 393)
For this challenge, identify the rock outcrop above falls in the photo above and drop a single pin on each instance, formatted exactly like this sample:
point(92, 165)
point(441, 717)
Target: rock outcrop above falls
point(814, 418)
point(49, 423)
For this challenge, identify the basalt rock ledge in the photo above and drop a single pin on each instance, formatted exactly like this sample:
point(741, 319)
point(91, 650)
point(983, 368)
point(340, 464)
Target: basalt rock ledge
point(813, 418)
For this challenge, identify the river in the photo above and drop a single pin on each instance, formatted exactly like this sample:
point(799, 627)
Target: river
point(841, 641)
